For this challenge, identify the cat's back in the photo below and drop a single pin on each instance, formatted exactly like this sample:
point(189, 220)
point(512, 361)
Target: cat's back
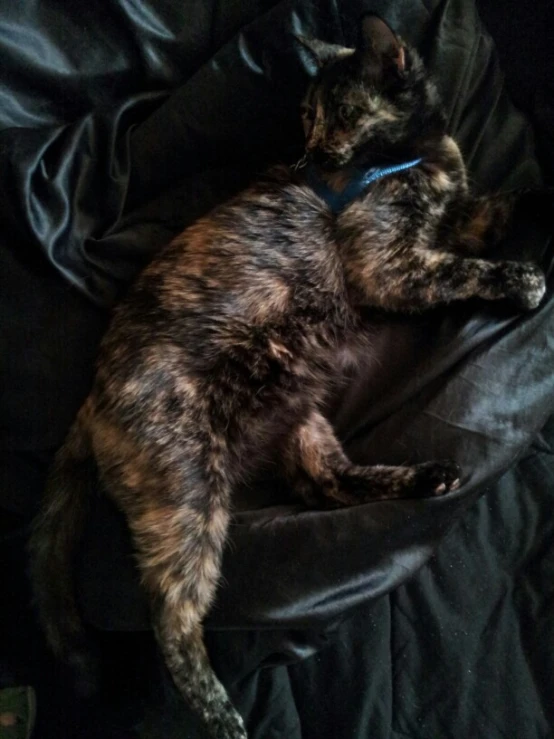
point(265, 254)
point(263, 263)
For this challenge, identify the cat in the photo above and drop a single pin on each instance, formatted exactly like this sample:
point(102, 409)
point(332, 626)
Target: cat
point(221, 356)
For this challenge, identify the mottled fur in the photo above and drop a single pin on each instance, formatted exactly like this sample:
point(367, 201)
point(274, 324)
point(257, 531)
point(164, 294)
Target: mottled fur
point(221, 356)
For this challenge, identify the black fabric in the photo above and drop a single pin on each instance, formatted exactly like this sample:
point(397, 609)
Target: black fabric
point(464, 649)
point(118, 127)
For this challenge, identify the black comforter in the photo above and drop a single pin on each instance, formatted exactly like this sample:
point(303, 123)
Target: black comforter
point(122, 122)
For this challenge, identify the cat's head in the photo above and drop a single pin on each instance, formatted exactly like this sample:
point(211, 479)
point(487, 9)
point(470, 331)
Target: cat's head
point(369, 102)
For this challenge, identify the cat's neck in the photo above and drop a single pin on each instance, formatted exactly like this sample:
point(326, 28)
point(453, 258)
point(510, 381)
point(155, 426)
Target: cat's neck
point(338, 189)
point(338, 180)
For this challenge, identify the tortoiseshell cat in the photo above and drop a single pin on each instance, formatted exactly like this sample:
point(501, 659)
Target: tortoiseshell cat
point(223, 352)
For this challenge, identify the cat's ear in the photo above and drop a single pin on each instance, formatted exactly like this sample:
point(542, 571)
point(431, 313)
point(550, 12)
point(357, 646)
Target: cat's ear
point(379, 40)
point(323, 53)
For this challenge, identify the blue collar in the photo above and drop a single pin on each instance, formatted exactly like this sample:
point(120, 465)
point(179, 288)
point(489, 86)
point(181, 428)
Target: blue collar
point(337, 201)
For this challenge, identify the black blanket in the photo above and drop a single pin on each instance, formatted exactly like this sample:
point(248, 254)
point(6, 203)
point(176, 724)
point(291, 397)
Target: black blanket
point(121, 125)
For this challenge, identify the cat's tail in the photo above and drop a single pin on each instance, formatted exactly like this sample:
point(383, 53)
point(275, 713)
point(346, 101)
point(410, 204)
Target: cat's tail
point(54, 538)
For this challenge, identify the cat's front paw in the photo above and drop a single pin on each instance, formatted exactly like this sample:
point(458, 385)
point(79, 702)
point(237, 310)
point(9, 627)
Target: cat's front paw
point(436, 478)
point(523, 283)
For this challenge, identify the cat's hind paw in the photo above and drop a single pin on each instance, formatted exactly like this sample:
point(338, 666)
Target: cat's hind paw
point(437, 478)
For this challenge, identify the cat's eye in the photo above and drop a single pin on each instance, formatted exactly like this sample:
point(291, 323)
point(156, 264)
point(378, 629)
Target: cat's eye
point(307, 111)
point(346, 112)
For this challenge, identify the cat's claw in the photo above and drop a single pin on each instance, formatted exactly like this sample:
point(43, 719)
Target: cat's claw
point(443, 487)
point(437, 478)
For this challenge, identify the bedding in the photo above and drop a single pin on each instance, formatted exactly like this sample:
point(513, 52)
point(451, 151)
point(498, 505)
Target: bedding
point(416, 619)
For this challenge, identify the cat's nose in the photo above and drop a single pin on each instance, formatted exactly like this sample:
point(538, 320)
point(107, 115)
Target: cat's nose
point(315, 137)
point(312, 143)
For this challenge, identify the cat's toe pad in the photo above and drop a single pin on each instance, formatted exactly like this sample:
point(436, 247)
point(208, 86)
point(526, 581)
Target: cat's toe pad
point(437, 478)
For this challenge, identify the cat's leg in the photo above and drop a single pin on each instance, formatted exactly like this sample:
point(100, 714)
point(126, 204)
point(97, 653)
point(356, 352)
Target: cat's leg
point(322, 474)
point(398, 259)
point(478, 223)
point(471, 223)
point(417, 279)
point(475, 224)
point(173, 485)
